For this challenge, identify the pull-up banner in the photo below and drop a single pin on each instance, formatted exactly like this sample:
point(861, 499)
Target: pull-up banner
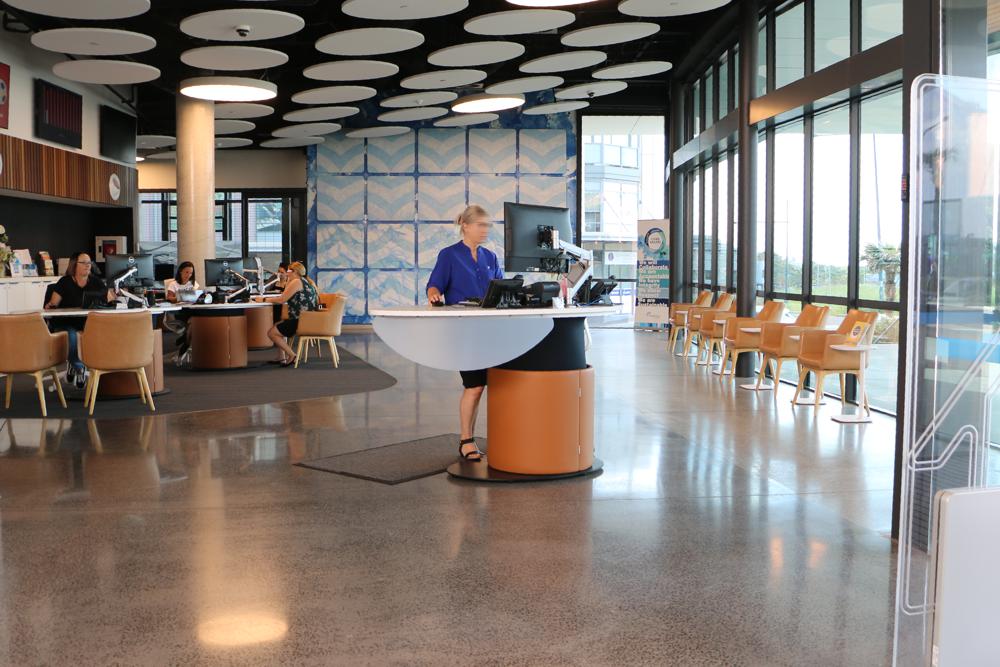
point(653, 307)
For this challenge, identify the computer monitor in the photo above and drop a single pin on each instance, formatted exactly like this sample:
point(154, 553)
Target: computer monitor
point(219, 272)
point(523, 251)
point(503, 293)
point(117, 265)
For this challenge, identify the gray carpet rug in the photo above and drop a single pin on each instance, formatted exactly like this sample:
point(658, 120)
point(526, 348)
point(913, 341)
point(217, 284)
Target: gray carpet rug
point(195, 391)
point(396, 463)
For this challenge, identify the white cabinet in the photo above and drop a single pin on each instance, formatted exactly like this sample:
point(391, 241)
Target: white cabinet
point(18, 294)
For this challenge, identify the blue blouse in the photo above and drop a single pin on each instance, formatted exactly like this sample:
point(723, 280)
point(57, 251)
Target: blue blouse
point(458, 277)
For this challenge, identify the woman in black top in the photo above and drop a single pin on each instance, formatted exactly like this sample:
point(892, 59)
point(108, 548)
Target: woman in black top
point(69, 293)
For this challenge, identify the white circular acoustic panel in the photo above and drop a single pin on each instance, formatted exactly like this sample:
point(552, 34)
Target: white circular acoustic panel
point(662, 8)
point(307, 130)
point(351, 70)
point(562, 62)
point(242, 110)
point(528, 84)
point(445, 78)
point(633, 70)
point(609, 33)
point(373, 132)
point(227, 126)
point(476, 53)
point(555, 107)
point(412, 114)
point(232, 142)
point(334, 95)
point(585, 91)
point(164, 155)
point(147, 141)
point(519, 22)
point(319, 114)
point(424, 98)
point(242, 25)
point(548, 3)
point(369, 41)
point(93, 41)
point(92, 10)
point(233, 58)
point(108, 72)
point(464, 119)
point(402, 10)
point(292, 142)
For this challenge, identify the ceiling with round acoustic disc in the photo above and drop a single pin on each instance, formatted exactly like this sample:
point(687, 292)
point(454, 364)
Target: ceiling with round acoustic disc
point(351, 70)
point(374, 132)
point(292, 142)
point(476, 53)
point(402, 10)
point(242, 25)
point(93, 41)
point(445, 78)
point(555, 107)
point(232, 142)
point(586, 91)
point(233, 58)
point(334, 95)
point(162, 155)
point(242, 110)
point(412, 114)
point(661, 8)
point(307, 130)
point(107, 72)
point(148, 141)
point(519, 22)
point(423, 98)
point(228, 126)
point(369, 41)
point(562, 62)
point(633, 70)
point(527, 84)
point(90, 10)
point(319, 114)
point(463, 119)
point(608, 34)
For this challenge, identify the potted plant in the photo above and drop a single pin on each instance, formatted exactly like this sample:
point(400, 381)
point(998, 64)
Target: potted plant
point(5, 252)
point(883, 259)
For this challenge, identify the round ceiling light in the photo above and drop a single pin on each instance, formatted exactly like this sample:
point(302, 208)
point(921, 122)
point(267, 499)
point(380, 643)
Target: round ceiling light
point(485, 103)
point(139, 158)
point(660, 9)
point(228, 89)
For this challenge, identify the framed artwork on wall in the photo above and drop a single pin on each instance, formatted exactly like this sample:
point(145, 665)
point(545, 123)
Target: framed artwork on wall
point(4, 96)
point(109, 245)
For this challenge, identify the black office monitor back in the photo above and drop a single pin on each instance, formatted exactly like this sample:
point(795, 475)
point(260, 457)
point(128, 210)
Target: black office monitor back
point(116, 264)
point(522, 252)
point(217, 272)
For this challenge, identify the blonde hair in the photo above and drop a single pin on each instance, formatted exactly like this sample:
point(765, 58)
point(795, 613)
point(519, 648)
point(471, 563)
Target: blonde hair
point(300, 269)
point(471, 212)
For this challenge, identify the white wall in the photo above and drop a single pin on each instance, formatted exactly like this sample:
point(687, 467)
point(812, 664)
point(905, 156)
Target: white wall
point(235, 169)
point(28, 63)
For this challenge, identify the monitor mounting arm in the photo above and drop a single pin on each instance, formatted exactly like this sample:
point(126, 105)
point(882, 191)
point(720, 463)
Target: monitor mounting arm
point(121, 291)
point(245, 288)
point(583, 257)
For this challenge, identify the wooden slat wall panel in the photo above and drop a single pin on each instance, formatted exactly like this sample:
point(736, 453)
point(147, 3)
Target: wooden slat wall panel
point(54, 172)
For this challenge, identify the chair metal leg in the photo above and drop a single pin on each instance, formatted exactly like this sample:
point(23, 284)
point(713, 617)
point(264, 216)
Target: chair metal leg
point(145, 388)
point(59, 390)
point(9, 383)
point(802, 383)
point(39, 384)
point(96, 381)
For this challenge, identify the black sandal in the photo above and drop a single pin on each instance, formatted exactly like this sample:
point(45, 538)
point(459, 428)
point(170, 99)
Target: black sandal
point(287, 362)
point(468, 456)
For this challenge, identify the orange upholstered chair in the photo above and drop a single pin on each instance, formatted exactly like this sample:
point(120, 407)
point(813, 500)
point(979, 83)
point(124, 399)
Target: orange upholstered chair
point(777, 342)
point(710, 334)
point(679, 319)
point(738, 341)
point(817, 355)
point(27, 347)
point(115, 342)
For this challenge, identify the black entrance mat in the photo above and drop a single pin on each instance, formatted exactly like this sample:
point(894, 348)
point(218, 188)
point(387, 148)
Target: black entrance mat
point(397, 463)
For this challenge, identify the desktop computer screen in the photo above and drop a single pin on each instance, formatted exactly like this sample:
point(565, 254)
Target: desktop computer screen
point(523, 251)
point(219, 272)
point(117, 265)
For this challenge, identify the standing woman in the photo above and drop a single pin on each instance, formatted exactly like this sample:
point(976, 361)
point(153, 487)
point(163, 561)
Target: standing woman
point(464, 271)
point(300, 294)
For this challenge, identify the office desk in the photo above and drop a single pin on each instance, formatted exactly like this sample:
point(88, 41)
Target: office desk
point(540, 400)
point(219, 334)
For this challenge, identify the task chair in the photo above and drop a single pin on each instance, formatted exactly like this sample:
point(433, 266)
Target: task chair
point(27, 348)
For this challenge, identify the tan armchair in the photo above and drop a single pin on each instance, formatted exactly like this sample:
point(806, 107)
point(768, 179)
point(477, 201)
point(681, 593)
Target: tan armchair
point(777, 344)
point(711, 334)
point(116, 342)
point(817, 356)
point(737, 340)
point(321, 325)
point(678, 316)
point(27, 347)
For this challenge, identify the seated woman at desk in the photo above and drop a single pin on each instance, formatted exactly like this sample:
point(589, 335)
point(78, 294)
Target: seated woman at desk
point(183, 281)
point(464, 271)
point(300, 294)
point(70, 292)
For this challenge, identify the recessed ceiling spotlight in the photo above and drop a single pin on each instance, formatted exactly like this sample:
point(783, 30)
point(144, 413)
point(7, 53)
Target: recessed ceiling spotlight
point(484, 103)
point(139, 158)
point(228, 89)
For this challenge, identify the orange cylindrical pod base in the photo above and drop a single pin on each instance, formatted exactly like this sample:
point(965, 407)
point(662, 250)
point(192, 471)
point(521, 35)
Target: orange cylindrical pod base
point(540, 422)
point(259, 322)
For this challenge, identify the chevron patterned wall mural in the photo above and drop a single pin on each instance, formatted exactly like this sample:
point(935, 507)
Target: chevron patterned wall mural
point(380, 210)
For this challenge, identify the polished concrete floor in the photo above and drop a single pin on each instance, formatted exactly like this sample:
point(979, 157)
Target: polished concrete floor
point(728, 528)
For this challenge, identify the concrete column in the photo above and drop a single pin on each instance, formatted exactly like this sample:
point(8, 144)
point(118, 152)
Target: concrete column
point(195, 181)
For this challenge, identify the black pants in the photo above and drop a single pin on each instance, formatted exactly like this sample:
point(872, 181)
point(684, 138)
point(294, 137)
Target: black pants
point(473, 379)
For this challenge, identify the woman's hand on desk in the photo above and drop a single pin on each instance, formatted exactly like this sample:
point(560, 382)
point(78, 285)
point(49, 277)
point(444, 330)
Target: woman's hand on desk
point(434, 295)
